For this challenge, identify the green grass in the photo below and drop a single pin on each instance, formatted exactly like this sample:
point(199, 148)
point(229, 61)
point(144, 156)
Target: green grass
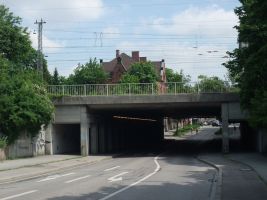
point(187, 128)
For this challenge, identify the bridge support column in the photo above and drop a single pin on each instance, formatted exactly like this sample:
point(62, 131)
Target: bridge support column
point(84, 128)
point(109, 137)
point(94, 138)
point(225, 129)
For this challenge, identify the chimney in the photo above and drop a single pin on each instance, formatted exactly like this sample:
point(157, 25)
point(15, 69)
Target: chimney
point(117, 53)
point(162, 64)
point(143, 59)
point(135, 56)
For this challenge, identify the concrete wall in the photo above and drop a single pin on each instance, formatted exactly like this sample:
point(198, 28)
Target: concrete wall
point(262, 140)
point(67, 114)
point(22, 147)
point(2, 154)
point(235, 112)
point(66, 139)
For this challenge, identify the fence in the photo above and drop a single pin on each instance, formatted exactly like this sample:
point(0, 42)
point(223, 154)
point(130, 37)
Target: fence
point(135, 89)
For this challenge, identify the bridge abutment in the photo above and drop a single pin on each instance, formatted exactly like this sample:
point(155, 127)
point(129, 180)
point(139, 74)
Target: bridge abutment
point(225, 127)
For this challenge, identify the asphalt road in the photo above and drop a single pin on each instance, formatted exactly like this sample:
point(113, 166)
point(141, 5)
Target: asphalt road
point(141, 176)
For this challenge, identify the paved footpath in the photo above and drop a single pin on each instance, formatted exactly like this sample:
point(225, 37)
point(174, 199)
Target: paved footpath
point(243, 175)
point(22, 169)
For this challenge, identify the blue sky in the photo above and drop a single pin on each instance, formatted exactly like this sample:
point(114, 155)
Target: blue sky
point(191, 35)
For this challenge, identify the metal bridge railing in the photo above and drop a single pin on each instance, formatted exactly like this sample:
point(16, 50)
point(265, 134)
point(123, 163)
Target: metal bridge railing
point(136, 89)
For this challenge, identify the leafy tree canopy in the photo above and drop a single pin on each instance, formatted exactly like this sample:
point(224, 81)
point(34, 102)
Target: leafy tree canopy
point(176, 77)
point(24, 103)
point(248, 63)
point(211, 84)
point(89, 73)
point(141, 72)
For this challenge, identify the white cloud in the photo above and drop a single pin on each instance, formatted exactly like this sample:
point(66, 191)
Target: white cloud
point(204, 60)
point(202, 36)
point(46, 43)
point(52, 10)
point(210, 21)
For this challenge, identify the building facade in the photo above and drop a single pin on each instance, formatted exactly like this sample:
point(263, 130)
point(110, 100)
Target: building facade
point(123, 62)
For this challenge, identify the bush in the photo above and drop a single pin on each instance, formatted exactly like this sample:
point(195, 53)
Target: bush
point(3, 142)
point(185, 129)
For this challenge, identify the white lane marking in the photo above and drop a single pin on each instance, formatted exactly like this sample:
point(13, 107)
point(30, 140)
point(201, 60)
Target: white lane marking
point(106, 170)
point(54, 177)
point(117, 177)
point(77, 179)
point(137, 182)
point(19, 195)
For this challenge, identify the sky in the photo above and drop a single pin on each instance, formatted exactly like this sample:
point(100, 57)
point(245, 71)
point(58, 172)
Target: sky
point(190, 35)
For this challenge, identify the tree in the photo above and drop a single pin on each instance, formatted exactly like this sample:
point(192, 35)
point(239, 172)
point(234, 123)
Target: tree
point(211, 84)
point(24, 103)
point(55, 77)
point(89, 73)
point(248, 63)
point(141, 72)
point(176, 77)
point(15, 43)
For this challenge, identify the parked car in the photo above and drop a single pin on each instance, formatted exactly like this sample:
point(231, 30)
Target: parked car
point(216, 123)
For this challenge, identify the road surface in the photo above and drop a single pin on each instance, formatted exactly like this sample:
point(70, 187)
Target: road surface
point(140, 176)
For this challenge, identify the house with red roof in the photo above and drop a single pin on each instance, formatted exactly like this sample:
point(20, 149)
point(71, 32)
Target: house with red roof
point(123, 62)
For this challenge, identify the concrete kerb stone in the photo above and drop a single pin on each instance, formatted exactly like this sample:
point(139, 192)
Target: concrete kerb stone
point(55, 161)
point(249, 166)
point(40, 174)
point(216, 190)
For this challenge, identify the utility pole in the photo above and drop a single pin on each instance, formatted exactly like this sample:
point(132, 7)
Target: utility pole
point(40, 46)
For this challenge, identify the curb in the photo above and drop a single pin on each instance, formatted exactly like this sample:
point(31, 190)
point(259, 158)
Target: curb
point(216, 191)
point(25, 178)
point(41, 163)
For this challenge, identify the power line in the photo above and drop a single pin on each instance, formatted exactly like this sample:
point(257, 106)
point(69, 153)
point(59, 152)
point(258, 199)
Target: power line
point(111, 6)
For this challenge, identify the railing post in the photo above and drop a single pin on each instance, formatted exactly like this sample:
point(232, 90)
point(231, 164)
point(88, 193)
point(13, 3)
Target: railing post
point(63, 90)
point(152, 88)
point(197, 87)
point(175, 88)
point(129, 88)
point(107, 89)
point(84, 90)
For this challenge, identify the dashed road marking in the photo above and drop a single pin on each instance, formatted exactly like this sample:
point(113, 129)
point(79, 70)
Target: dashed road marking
point(77, 179)
point(19, 195)
point(106, 170)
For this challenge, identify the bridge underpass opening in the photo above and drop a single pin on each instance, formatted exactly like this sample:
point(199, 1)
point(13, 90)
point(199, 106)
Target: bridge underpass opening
point(66, 139)
point(139, 133)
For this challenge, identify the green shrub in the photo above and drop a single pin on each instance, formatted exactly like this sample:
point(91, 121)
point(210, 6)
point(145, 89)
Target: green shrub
point(3, 142)
point(185, 129)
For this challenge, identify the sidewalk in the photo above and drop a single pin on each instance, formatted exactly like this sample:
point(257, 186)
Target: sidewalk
point(256, 161)
point(240, 175)
point(27, 168)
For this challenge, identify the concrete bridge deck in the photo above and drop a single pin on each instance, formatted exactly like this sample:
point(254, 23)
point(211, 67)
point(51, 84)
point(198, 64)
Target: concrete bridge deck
point(92, 116)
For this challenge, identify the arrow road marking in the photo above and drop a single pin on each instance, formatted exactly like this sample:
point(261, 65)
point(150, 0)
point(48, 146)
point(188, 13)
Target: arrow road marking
point(54, 177)
point(135, 183)
point(106, 170)
point(117, 177)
